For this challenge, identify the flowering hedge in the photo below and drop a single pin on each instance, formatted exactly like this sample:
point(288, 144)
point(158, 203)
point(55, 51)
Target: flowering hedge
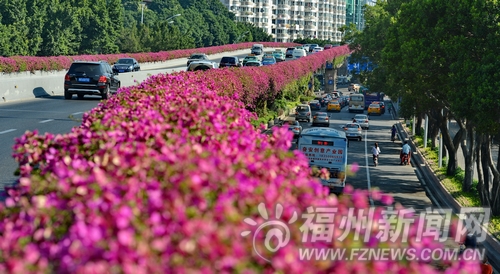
point(159, 179)
point(33, 63)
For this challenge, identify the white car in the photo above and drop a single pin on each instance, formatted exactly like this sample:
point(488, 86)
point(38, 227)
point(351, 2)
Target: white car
point(353, 131)
point(317, 49)
point(362, 120)
point(298, 53)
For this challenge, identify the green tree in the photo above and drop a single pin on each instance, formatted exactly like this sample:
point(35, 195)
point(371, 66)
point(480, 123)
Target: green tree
point(59, 34)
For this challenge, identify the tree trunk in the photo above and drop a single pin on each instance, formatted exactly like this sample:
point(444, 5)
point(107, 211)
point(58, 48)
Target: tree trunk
point(482, 186)
point(468, 149)
point(451, 146)
point(435, 118)
point(418, 129)
point(495, 185)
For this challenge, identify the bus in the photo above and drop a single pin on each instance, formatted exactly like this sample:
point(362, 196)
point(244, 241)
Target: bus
point(326, 148)
point(356, 102)
point(371, 97)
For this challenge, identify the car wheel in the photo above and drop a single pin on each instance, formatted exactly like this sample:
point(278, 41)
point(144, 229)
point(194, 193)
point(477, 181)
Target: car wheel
point(67, 95)
point(310, 120)
point(359, 139)
point(105, 93)
point(80, 96)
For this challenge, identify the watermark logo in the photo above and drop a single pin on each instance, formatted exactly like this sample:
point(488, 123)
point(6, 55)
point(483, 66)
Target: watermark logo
point(277, 233)
point(364, 225)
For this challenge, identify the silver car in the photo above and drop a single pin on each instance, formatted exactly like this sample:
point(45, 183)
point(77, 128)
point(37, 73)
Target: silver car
point(362, 120)
point(353, 131)
point(321, 119)
point(303, 112)
point(294, 127)
point(202, 65)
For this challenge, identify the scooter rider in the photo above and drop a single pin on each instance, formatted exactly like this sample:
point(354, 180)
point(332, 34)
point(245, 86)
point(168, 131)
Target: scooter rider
point(405, 150)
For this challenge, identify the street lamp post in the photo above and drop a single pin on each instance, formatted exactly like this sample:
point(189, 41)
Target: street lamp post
point(143, 4)
point(173, 16)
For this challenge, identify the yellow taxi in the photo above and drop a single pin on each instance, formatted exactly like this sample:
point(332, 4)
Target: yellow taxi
point(374, 109)
point(333, 106)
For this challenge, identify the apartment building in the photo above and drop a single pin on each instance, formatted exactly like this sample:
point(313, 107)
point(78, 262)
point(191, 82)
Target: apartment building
point(355, 12)
point(288, 20)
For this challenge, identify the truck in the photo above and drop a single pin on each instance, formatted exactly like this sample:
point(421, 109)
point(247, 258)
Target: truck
point(371, 97)
point(326, 148)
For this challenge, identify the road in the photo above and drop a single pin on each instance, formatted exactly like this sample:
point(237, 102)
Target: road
point(54, 115)
point(399, 181)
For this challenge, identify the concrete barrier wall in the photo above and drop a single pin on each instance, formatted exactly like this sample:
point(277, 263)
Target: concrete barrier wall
point(27, 85)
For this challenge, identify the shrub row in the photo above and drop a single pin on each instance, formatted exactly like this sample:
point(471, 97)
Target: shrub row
point(55, 63)
point(160, 178)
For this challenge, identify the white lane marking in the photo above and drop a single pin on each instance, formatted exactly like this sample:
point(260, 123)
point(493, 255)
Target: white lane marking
point(76, 113)
point(46, 121)
point(7, 131)
point(29, 110)
point(368, 168)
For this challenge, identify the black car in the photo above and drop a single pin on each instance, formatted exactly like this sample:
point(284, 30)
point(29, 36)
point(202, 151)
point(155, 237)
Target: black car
point(289, 52)
point(229, 62)
point(312, 46)
point(90, 78)
point(197, 57)
point(126, 65)
point(321, 100)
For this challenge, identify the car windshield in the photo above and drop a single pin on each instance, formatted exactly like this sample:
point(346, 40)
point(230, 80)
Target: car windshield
point(351, 126)
point(302, 108)
point(360, 117)
point(252, 64)
point(227, 60)
point(356, 98)
point(197, 56)
point(321, 114)
point(374, 106)
point(268, 60)
point(125, 61)
point(89, 69)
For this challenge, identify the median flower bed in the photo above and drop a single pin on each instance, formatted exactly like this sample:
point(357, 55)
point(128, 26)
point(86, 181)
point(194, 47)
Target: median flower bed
point(160, 178)
point(33, 63)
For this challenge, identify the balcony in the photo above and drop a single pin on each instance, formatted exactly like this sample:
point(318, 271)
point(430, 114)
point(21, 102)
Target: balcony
point(310, 27)
point(247, 4)
point(311, 1)
point(312, 9)
point(273, 16)
point(247, 14)
point(265, 4)
point(283, 6)
point(311, 18)
point(284, 16)
point(283, 35)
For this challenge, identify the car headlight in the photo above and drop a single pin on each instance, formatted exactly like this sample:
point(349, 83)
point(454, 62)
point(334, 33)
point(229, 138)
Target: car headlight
point(131, 67)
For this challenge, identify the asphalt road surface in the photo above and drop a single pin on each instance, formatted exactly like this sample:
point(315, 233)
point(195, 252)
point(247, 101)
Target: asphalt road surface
point(389, 176)
point(53, 115)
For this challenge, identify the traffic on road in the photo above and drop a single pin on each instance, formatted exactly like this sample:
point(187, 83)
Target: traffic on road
point(388, 176)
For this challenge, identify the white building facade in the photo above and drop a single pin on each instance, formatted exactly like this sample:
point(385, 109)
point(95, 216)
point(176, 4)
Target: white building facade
point(288, 20)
